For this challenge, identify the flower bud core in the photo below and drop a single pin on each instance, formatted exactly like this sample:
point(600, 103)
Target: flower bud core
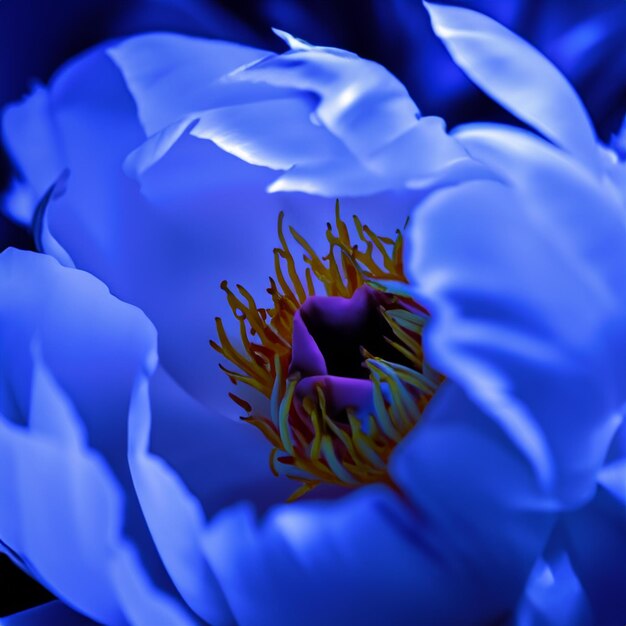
point(338, 355)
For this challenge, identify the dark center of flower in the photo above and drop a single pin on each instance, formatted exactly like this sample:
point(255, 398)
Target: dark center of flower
point(344, 372)
point(339, 330)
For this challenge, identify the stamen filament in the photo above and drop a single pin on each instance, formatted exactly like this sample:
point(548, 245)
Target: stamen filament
point(313, 443)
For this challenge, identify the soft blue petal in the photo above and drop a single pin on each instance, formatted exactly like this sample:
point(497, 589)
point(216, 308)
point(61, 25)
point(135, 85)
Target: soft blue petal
point(362, 105)
point(50, 614)
point(524, 317)
point(101, 218)
point(596, 538)
point(360, 102)
point(334, 123)
point(70, 354)
point(143, 601)
point(553, 595)
point(517, 76)
point(174, 520)
point(64, 312)
point(26, 124)
point(560, 194)
point(460, 470)
point(49, 112)
point(358, 561)
point(190, 465)
point(455, 548)
point(170, 75)
point(273, 133)
point(58, 491)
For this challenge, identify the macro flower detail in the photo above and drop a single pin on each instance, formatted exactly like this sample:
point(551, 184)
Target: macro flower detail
point(447, 369)
point(344, 372)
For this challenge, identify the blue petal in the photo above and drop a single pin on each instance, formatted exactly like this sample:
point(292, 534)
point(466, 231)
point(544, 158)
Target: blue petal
point(119, 337)
point(51, 614)
point(335, 124)
point(359, 560)
point(517, 76)
point(360, 104)
point(461, 470)
point(359, 101)
point(70, 355)
point(110, 239)
point(65, 487)
point(191, 465)
point(524, 316)
point(24, 125)
point(560, 192)
point(170, 75)
point(596, 538)
point(50, 113)
point(554, 595)
point(468, 526)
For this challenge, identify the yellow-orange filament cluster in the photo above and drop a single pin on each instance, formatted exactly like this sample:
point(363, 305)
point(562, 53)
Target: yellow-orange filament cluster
point(310, 446)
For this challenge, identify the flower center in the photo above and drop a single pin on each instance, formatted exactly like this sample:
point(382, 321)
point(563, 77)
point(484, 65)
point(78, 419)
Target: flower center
point(338, 355)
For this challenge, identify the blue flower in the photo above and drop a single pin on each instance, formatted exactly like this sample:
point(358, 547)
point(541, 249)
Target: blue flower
point(164, 163)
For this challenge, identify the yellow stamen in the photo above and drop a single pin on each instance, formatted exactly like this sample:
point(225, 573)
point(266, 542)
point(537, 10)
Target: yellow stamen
point(311, 446)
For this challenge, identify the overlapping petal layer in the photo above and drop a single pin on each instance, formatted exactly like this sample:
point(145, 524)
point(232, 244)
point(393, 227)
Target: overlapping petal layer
point(335, 124)
point(580, 200)
point(509, 70)
point(72, 356)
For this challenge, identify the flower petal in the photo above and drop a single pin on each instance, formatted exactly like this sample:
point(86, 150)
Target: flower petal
point(559, 193)
point(51, 614)
point(120, 340)
point(363, 106)
point(58, 485)
point(190, 465)
point(171, 76)
point(596, 540)
point(523, 318)
point(349, 89)
point(71, 354)
point(26, 124)
point(517, 76)
point(554, 595)
point(334, 123)
point(374, 554)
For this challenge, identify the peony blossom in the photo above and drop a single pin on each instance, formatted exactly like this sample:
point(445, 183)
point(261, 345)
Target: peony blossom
point(457, 479)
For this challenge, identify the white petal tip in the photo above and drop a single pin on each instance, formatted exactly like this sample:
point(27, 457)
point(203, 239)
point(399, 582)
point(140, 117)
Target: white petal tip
point(294, 43)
